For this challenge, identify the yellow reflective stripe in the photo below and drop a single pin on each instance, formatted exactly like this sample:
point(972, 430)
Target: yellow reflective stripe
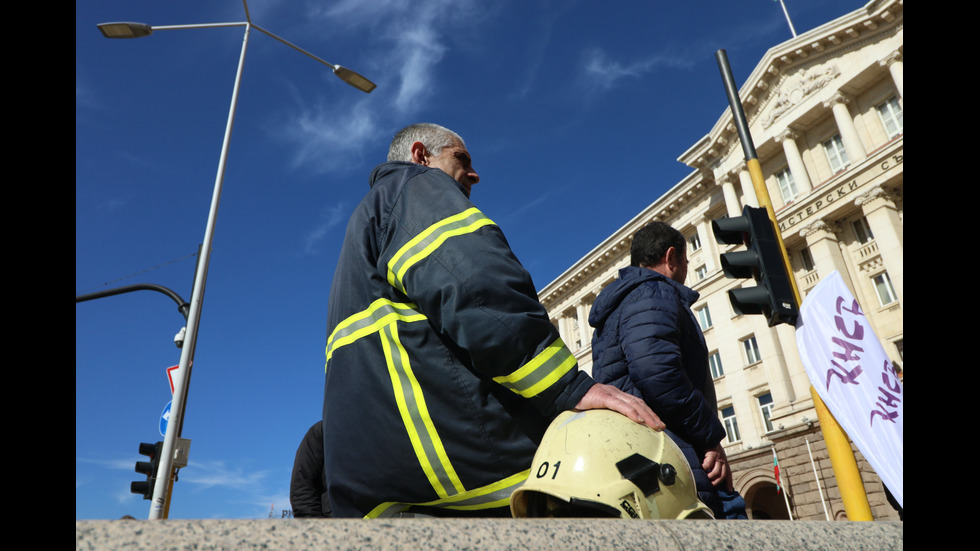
point(541, 372)
point(415, 415)
point(430, 239)
point(490, 496)
point(380, 313)
point(386, 510)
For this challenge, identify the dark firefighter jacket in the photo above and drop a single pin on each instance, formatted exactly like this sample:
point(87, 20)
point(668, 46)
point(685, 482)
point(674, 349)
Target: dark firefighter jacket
point(443, 369)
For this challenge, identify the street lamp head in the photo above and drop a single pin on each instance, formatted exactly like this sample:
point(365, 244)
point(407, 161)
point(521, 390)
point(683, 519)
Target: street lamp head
point(354, 79)
point(125, 30)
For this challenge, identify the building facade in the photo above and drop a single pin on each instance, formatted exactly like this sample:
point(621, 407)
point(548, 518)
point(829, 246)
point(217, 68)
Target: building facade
point(825, 111)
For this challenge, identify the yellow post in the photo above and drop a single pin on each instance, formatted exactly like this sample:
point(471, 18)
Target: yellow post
point(845, 466)
point(838, 446)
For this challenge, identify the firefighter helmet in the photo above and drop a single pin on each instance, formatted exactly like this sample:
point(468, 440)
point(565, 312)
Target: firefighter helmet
point(598, 463)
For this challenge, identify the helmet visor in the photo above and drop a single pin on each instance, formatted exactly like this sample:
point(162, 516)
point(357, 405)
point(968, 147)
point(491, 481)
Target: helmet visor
point(541, 505)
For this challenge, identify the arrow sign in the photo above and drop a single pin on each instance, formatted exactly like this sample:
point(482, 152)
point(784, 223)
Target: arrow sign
point(165, 418)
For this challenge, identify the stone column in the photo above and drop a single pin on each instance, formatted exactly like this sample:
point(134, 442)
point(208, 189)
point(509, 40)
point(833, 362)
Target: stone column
point(709, 244)
point(886, 225)
point(773, 343)
point(779, 371)
point(732, 205)
point(795, 161)
point(848, 133)
point(563, 329)
point(584, 329)
point(895, 65)
point(748, 189)
point(821, 239)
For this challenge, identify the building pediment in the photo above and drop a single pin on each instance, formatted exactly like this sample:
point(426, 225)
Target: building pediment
point(792, 74)
point(798, 89)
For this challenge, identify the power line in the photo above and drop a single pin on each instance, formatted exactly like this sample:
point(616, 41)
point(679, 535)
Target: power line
point(138, 273)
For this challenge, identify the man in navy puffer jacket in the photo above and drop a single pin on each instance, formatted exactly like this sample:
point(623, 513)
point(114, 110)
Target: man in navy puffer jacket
point(647, 342)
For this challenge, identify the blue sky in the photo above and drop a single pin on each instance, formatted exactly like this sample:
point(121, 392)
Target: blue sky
point(572, 110)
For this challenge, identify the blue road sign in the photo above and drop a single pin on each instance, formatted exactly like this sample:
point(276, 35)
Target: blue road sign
point(165, 418)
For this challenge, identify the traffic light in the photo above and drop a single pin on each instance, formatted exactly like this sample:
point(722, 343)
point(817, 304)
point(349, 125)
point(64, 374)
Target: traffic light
point(149, 468)
point(762, 259)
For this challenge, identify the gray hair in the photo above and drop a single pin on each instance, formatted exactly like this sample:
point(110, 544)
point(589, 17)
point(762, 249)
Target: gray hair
point(432, 136)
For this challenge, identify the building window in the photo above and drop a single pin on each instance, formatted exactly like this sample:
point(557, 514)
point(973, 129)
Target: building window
point(731, 424)
point(704, 317)
point(714, 363)
point(836, 154)
point(694, 241)
point(862, 231)
point(787, 186)
point(765, 406)
point(806, 259)
point(891, 117)
point(883, 285)
point(701, 272)
point(751, 350)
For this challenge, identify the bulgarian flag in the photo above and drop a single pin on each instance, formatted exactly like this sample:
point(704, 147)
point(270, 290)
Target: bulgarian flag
point(775, 466)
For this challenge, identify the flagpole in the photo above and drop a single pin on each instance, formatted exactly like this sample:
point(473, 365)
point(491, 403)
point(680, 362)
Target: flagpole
point(775, 463)
point(817, 476)
point(786, 13)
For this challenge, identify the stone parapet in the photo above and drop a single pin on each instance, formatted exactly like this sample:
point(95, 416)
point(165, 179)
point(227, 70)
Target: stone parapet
point(538, 534)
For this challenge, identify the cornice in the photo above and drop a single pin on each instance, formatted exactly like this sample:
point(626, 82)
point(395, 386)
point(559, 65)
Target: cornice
point(775, 78)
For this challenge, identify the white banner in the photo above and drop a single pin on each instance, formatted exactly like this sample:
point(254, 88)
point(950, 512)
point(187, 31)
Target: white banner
point(852, 374)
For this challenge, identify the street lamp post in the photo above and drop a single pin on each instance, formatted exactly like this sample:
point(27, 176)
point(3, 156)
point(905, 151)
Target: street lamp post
point(160, 504)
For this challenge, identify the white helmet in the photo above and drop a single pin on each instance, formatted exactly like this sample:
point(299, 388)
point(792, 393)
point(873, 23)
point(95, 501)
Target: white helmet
point(598, 463)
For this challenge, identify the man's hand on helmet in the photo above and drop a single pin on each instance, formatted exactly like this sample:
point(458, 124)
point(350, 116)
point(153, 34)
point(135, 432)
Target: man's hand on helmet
point(609, 397)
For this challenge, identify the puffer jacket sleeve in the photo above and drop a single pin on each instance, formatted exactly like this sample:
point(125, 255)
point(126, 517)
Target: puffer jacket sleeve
point(653, 349)
point(454, 263)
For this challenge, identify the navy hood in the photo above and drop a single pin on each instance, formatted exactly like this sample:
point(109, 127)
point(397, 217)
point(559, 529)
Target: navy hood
point(630, 278)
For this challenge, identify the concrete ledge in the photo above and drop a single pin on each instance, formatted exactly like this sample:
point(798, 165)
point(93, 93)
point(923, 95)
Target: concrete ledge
point(656, 535)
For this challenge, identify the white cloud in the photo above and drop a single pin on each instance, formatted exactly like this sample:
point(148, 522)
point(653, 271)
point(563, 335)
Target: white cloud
point(420, 53)
point(602, 72)
point(403, 43)
point(113, 464)
point(330, 217)
point(209, 474)
point(329, 139)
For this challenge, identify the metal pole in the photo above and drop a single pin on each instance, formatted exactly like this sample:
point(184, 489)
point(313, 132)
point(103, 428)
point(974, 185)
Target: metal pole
point(786, 13)
point(182, 305)
point(816, 475)
point(785, 476)
point(159, 506)
point(838, 447)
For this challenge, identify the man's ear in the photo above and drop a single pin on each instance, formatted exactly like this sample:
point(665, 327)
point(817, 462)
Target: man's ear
point(419, 154)
point(670, 257)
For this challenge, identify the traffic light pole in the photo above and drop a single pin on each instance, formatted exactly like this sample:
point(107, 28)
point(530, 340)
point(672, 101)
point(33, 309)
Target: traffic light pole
point(838, 447)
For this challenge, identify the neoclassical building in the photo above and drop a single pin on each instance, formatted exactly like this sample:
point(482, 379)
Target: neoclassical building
point(825, 113)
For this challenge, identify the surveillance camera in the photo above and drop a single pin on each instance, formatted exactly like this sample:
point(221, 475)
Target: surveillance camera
point(179, 337)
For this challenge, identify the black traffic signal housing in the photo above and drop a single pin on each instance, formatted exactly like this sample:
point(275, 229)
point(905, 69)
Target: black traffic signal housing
point(762, 260)
point(149, 468)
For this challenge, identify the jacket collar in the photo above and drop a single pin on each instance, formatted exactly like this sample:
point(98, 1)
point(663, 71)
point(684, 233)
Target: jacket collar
point(406, 170)
point(630, 278)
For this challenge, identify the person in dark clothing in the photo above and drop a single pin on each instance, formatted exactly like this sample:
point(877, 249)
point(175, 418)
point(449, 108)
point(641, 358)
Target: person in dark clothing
point(648, 343)
point(443, 369)
point(308, 486)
